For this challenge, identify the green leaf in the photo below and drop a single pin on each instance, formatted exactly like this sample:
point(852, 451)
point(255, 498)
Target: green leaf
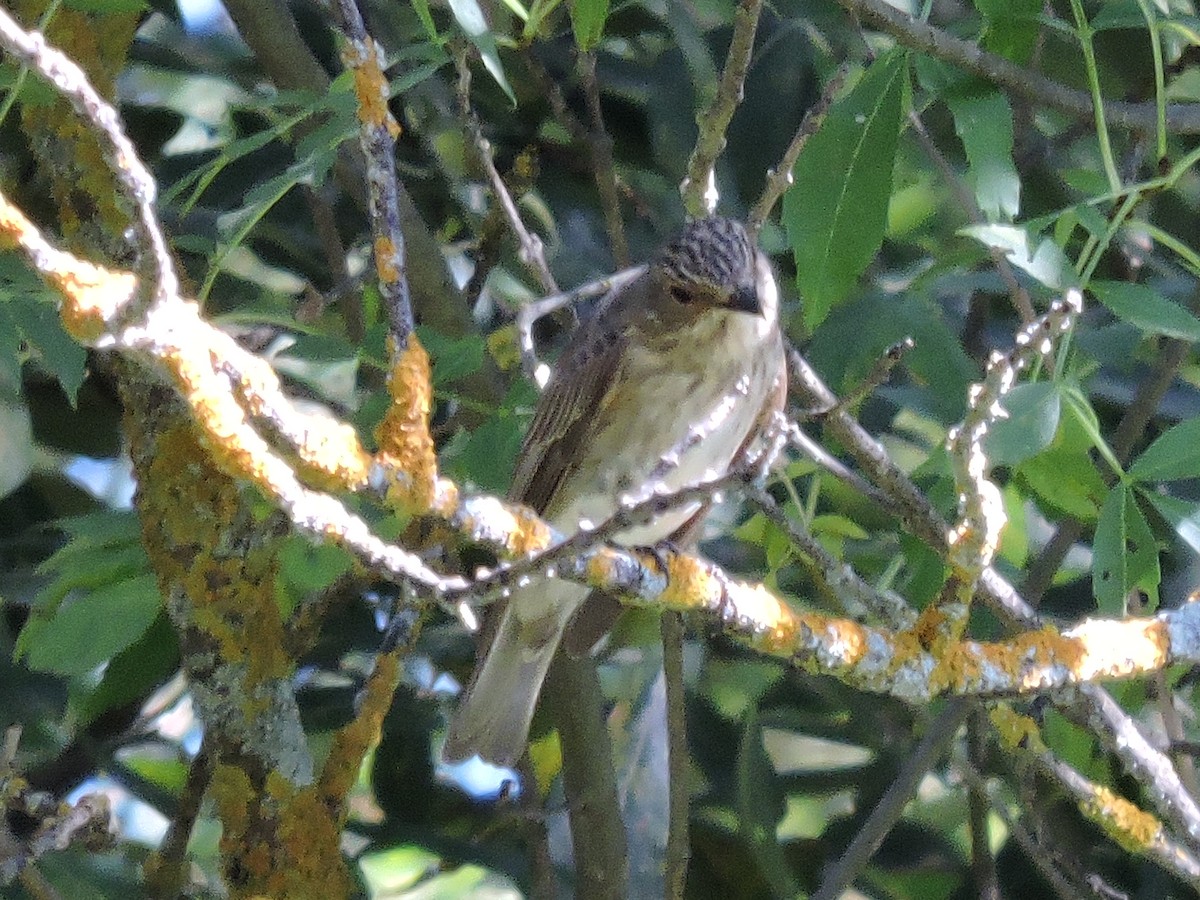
point(136, 671)
point(108, 7)
point(1011, 27)
point(41, 327)
point(471, 20)
point(1064, 480)
point(984, 124)
point(453, 358)
point(92, 628)
point(1043, 259)
point(1182, 515)
point(1125, 555)
point(1174, 454)
point(1033, 415)
point(836, 210)
point(587, 21)
point(1144, 307)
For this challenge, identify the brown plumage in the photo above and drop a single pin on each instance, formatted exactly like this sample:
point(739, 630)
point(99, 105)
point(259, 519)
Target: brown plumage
point(686, 362)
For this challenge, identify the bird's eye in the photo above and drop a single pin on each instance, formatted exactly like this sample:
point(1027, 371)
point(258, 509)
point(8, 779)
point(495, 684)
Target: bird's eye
point(681, 295)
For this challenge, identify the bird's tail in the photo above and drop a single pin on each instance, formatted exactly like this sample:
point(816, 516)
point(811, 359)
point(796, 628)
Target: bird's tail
point(494, 713)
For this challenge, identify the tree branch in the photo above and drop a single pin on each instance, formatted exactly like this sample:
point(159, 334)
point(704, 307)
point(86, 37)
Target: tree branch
point(699, 188)
point(1181, 119)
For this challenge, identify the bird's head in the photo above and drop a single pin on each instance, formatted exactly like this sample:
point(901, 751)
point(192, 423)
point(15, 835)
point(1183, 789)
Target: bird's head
point(713, 264)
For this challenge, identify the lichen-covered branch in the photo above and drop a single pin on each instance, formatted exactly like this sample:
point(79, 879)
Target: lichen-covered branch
point(1125, 823)
point(377, 133)
point(871, 658)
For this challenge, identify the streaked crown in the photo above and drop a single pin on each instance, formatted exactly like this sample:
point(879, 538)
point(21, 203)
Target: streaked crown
point(713, 252)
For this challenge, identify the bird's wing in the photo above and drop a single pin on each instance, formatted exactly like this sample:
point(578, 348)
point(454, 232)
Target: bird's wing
point(568, 411)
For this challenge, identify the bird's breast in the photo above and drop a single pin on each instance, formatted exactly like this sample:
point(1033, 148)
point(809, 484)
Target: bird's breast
point(677, 414)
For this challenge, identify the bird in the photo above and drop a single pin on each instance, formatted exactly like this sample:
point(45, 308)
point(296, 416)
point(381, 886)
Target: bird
point(672, 381)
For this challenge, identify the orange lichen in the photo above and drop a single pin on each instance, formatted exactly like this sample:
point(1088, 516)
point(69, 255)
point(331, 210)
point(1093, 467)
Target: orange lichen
point(89, 210)
point(370, 86)
point(405, 444)
point(690, 584)
point(385, 260)
point(1015, 730)
point(231, 792)
point(1023, 662)
point(353, 741)
point(1131, 827)
point(930, 626)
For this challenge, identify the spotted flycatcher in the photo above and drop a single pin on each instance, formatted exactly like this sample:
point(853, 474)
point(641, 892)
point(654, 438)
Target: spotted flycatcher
point(668, 384)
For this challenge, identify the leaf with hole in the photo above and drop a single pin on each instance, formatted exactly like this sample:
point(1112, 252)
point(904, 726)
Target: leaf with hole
point(1125, 555)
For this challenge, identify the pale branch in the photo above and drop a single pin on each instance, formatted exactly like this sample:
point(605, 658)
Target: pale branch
point(377, 131)
point(176, 339)
point(529, 315)
point(1180, 118)
point(173, 338)
point(136, 184)
point(699, 189)
point(172, 335)
point(838, 877)
point(975, 537)
point(809, 447)
point(531, 250)
point(779, 179)
point(631, 513)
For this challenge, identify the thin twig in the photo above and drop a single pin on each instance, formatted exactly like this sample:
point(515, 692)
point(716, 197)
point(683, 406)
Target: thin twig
point(167, 877)
point(854, 595)
point(779, 179)
point(529, 314)
point(983, 861)
point(377, 136)
point(938, 737)
point(1040, 858)
point(881, 370)
point(532, 252)
point(601, 146)
point(699, 187)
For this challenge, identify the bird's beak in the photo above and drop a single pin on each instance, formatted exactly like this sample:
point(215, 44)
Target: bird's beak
point(745, 299)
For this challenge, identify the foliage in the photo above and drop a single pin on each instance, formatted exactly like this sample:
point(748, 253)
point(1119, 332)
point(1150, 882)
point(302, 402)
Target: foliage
point(932, 203)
